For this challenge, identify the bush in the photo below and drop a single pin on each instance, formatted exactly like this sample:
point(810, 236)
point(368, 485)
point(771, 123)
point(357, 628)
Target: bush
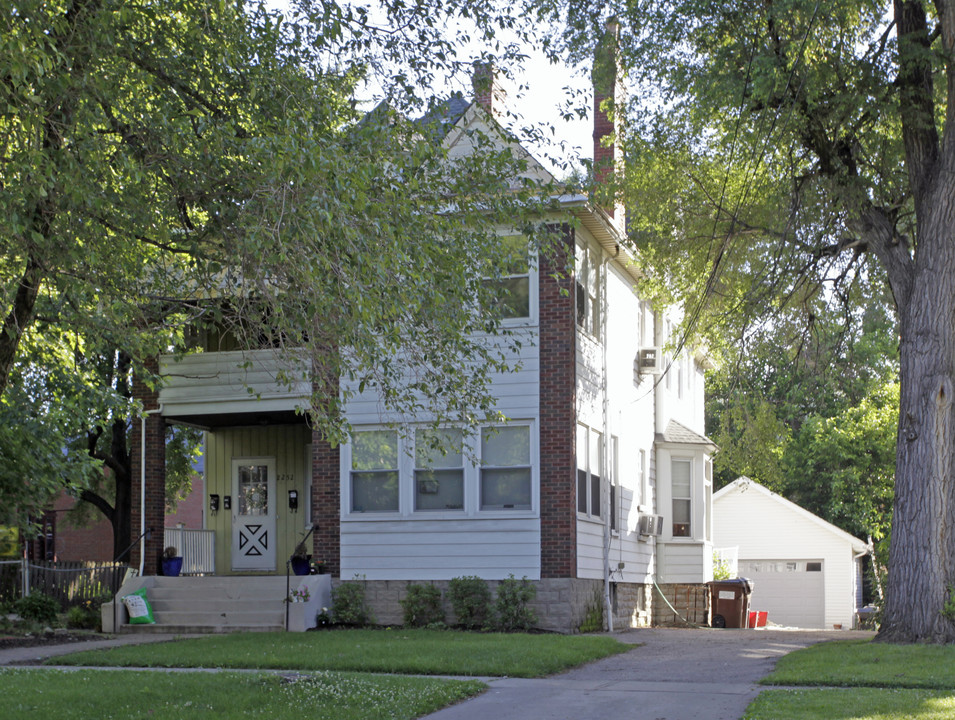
point(37, 607)
point(86, 616)
point(471, 601)
point(349, 606)
point(511, 609)
point(422, 606)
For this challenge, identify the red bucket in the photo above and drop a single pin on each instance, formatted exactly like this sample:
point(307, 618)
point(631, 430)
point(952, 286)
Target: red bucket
point(758, 618)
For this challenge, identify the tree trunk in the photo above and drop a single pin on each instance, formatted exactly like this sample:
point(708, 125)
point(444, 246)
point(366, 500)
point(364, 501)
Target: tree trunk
point(922, 552)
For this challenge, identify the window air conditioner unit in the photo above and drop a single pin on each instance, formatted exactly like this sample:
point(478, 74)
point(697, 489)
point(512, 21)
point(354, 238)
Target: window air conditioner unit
point(651, 525)
point(650, 360)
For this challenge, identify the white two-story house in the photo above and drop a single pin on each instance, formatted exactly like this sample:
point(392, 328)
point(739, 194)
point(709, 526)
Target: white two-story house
point(597, 487)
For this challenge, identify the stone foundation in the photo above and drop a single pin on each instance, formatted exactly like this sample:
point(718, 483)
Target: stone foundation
point(561, 604)
point(690, 600)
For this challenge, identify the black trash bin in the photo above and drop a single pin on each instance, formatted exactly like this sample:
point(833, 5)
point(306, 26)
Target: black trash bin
point(729, 602)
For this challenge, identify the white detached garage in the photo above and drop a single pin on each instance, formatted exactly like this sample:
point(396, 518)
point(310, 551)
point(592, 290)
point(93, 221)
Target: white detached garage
point(806, 572)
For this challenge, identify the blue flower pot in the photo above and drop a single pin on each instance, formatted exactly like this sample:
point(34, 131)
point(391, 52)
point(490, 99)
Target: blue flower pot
point(171, 567)
point(301, 565)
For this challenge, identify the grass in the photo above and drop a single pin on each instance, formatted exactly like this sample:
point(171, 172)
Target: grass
point(861, 680)
point(860, 663)
point(853, 704)
point(102, 694)
point(420, 652)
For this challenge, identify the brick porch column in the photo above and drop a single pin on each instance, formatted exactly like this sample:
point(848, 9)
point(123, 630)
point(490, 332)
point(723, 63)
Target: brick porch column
point(558, 411)
point(155, 475)
point(326, 503)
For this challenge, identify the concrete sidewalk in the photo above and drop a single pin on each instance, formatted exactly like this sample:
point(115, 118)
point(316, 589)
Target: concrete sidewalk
point(670, 674)
point(673, 674)
point(36, 653)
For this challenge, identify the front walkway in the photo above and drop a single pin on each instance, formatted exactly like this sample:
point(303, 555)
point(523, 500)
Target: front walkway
point(675, 674)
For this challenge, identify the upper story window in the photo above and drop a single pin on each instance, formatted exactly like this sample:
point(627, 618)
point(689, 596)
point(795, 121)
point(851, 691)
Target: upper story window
point(374, 471)
point(513, 286)
point(588, 290)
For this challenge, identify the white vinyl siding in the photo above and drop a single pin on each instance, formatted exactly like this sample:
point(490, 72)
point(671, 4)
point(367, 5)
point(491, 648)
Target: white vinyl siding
point(768, 528)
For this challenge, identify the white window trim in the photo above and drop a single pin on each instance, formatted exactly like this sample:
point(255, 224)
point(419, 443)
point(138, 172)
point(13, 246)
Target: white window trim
point(532, 288)
point(406, 480)
point(589, 514)
point(691, 461)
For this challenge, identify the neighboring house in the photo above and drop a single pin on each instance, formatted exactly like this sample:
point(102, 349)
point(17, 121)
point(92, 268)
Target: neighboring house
point(806, 572)
point(63, 540)
point(602, 474)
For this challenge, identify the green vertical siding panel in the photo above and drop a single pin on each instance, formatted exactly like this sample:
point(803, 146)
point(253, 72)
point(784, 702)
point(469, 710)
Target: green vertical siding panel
point(287, 445)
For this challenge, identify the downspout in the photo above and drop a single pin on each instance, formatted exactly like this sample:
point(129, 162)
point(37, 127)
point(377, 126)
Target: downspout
point(605, 450)
point(142, 486)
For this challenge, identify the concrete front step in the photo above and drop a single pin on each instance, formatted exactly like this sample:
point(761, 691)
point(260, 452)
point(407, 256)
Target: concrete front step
point(166, 629)
point(222, 603)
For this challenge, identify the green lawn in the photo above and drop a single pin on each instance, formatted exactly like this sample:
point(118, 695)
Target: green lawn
point(853, 704)
point(35, 694)
point(422, 652)
point(860, 663)
point(861, 680)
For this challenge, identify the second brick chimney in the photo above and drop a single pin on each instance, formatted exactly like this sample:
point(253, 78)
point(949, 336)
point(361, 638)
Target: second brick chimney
point(488, 92)
point(608, 112)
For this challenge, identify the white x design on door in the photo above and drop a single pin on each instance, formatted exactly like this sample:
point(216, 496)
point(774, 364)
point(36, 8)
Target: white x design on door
point(253, 514)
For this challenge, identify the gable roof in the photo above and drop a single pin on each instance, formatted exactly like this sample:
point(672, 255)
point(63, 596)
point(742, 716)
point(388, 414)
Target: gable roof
point(679, 434)
point(744, 484)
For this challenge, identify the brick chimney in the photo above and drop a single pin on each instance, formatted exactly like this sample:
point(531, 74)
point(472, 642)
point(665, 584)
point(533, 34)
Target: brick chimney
point(488, 92)
point(608, 113)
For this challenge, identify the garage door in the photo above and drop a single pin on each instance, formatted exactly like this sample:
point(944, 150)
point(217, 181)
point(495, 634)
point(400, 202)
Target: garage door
point(792, 591)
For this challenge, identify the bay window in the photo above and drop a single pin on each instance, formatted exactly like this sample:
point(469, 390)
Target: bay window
point(681, 474)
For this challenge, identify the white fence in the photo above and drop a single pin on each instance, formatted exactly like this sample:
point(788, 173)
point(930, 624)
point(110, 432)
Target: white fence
point(727, 558)
point(197, 548)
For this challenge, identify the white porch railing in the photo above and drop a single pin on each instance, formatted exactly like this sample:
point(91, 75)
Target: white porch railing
point(728, 558)
point(197, 547)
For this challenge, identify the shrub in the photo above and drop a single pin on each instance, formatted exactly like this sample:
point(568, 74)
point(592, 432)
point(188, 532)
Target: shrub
point(511, 608)
point(37, 607)
point(349, 606)
point(471, 601)
point(86, 615)
point(422, 606)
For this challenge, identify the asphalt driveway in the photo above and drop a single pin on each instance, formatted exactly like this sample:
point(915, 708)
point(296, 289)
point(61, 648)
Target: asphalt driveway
point(674, 674)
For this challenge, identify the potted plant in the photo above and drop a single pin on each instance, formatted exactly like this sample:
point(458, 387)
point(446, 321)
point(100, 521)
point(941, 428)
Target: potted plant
point(300, 560)
point(171, 562)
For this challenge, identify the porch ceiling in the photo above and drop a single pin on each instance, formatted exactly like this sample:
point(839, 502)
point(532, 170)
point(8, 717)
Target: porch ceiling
point(210, 421)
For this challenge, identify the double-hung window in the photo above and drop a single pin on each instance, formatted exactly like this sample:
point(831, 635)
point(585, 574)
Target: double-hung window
point(587, 288)
point(374, 471)
point(439, 470)
point(512, 286)
point(681, 475)
point(506, 468)
point(589, 471)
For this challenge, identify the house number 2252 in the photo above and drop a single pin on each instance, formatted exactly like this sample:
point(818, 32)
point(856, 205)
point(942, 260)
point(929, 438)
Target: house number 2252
point(286, 478)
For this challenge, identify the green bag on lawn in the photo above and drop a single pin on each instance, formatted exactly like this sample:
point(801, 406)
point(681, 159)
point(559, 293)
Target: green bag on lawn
point(139, 609)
